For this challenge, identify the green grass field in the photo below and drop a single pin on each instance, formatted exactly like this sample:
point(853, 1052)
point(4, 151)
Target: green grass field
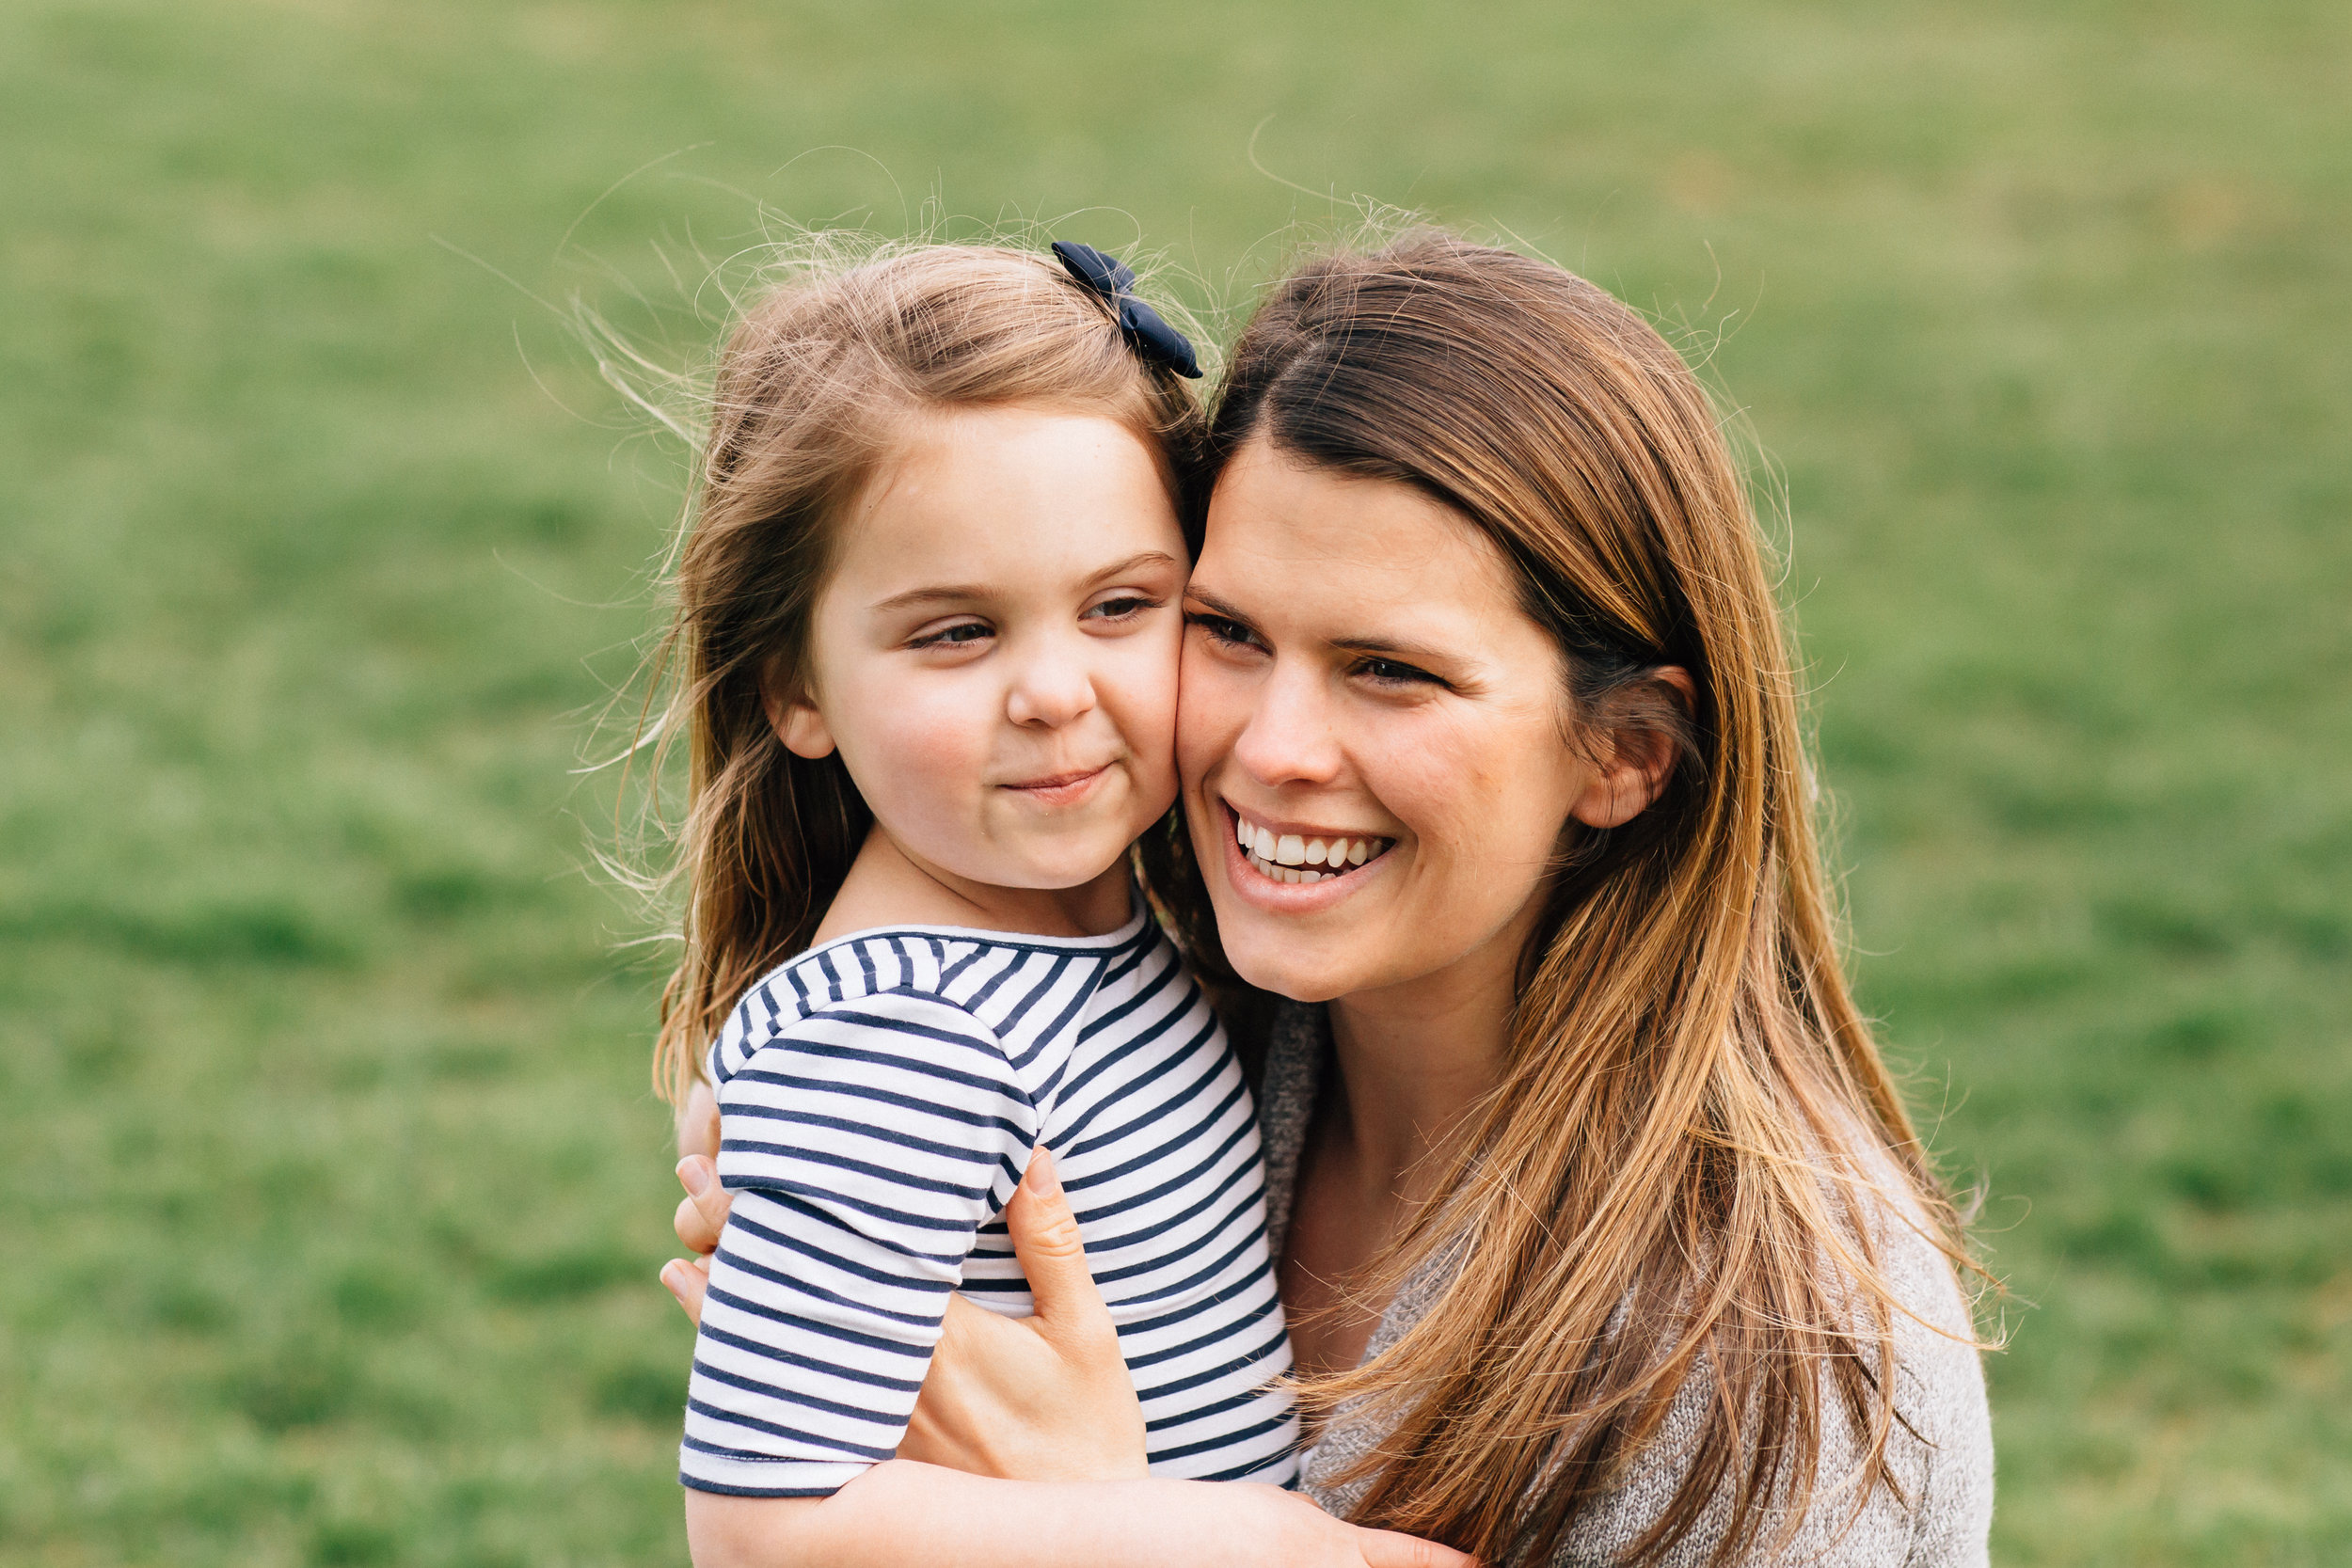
point(331, 1190)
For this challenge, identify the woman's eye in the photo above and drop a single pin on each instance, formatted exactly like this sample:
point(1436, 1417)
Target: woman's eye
point(1220, 629)
point(1389, 672)
point(961, 632)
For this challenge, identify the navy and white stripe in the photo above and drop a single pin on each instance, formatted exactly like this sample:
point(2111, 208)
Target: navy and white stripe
point(879, 1097)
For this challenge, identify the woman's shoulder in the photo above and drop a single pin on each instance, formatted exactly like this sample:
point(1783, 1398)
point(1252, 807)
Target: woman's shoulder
point(1939, 1451)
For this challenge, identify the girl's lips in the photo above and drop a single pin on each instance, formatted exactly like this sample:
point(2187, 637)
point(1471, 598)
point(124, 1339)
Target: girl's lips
point(1255, 887)
point(1061, 789)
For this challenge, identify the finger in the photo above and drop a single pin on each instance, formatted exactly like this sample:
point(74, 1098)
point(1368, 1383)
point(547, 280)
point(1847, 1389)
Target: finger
point(703, 1213)
point(689, 1280)
point(698, 1120)
point(1053, 1255)
point(961, 1321)
point(1386, 1548)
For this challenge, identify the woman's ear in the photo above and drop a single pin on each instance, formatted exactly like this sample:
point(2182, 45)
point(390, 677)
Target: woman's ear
point(1642, 737)
point(797, 723)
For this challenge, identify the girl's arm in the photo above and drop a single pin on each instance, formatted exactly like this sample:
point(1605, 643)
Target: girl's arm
point(900, 1513)
point(1044, 1399)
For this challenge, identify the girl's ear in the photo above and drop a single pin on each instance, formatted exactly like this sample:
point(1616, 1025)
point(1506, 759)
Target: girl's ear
point(797, 723)
point(1642, 740)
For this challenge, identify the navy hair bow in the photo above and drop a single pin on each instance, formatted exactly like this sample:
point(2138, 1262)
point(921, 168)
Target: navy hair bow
point(1145, 328)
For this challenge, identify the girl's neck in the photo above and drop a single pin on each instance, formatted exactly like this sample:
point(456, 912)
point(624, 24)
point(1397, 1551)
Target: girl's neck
point(888, 886)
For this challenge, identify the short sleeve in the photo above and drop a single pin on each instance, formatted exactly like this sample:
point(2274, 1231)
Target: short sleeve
point(866, 1144)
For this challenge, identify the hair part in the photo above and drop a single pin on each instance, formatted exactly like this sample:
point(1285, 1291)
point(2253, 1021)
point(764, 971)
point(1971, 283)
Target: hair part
point(1683, 1169)
point(820, 384)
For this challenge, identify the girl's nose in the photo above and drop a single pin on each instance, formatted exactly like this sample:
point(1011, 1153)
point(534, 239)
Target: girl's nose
point(1049, 693)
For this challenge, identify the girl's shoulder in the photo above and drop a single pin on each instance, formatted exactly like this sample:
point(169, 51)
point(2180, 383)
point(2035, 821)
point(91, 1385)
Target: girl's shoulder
point(986, 979)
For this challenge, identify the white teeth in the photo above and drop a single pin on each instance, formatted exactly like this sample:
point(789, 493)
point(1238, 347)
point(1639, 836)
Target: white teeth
point(1284, 857)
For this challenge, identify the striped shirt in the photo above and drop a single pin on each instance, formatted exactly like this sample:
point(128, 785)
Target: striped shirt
point(879, 1097)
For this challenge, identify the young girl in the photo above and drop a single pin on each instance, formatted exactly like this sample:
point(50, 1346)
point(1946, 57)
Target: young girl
point(929, 631)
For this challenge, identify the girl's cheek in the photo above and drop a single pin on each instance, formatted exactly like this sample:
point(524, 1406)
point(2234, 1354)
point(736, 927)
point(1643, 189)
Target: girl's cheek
point(932, 741)
point(1140, 686)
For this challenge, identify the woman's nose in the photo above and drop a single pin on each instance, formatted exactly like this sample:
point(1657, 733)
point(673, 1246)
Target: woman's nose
point(1289, 737)
point(1049, 691)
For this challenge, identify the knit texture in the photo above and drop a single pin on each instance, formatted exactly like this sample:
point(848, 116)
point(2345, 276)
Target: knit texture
point(1944, 1463)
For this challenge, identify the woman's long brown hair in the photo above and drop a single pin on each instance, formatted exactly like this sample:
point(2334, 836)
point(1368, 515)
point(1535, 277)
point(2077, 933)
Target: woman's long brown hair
point(1687, 1167)
point(816, 386)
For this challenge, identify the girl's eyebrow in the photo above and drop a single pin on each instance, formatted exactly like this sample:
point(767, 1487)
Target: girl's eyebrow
point(955, 593)
point(1136, 562)
point(969, 593)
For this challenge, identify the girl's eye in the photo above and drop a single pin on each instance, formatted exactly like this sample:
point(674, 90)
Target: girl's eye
point(961, 632)
point(1220, 629)
point(1122, 607)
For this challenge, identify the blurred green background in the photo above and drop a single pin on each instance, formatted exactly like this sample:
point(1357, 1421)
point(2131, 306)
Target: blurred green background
point(331, 1190)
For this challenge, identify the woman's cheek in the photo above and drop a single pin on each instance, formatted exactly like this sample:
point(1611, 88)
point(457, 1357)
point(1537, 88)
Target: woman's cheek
point(1212, 708)
point(1473, 799)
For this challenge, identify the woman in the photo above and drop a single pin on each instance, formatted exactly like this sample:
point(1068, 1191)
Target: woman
point(1602, 1230)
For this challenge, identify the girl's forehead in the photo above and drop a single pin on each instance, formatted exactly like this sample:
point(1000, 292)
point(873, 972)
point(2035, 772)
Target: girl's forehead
point(1005, 496)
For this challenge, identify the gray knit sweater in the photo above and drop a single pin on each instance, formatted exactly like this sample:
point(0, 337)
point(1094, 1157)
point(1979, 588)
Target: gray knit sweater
point(1946, 1469)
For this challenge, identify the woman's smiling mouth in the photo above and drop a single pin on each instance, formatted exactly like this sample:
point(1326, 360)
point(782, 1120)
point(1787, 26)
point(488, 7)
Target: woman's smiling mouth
point(1303, 857)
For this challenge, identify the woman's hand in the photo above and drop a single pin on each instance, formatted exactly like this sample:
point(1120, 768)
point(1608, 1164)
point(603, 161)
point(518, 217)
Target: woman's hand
point(1041, 1398)
point(703, 1212)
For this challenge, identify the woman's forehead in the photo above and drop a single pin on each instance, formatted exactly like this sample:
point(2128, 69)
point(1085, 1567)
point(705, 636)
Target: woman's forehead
point(1285, 529)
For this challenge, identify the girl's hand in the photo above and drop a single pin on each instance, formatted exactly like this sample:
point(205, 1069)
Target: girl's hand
point(1042, 1398)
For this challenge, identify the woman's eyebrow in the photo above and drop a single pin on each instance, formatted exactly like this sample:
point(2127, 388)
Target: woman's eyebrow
point(1217, 606)
point(1380, 647)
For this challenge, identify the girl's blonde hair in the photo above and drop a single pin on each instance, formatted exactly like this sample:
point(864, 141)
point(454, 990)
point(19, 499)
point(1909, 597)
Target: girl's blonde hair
point(818, 386)
point(1686, 1170)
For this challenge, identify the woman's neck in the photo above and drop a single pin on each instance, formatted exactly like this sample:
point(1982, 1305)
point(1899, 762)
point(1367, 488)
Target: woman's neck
point(1414, 1059)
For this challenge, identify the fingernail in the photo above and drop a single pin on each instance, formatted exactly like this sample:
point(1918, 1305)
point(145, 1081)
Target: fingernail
point(695, 1175)
point(1042, 1179)
point(669, 1280)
